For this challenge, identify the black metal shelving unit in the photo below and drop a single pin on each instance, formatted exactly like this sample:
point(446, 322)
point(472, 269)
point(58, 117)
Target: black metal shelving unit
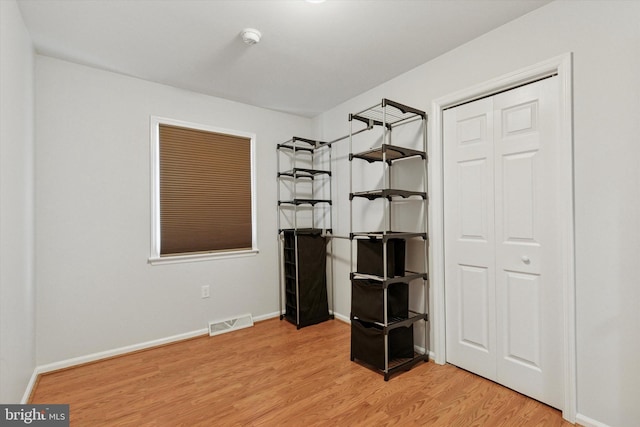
point(383, 312)
point(304, 229)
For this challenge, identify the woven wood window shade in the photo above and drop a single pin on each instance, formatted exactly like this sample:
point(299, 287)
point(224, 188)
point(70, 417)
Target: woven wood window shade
point(205, 191)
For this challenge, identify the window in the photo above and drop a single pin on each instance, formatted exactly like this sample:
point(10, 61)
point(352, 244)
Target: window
point(203, 204)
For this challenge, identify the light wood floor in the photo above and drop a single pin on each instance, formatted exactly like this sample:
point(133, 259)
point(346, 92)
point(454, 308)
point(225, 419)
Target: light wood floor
point(274, 375)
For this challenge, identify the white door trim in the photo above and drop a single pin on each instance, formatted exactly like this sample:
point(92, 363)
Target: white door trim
point(562, 66)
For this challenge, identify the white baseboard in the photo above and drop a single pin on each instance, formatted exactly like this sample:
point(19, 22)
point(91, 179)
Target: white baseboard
point(588, 422)
point(266, 316)
point(342, 318)
point(30, 386)
point(42, 369)
point(118, 351)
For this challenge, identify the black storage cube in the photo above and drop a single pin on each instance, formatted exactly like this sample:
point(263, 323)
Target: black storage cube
point(367, 343)
point(367, 300)
point(312, 277)
point(369, 260)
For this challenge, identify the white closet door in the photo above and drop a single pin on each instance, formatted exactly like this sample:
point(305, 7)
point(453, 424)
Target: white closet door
point(528, 290)
point(522, 284)
point(470, 237)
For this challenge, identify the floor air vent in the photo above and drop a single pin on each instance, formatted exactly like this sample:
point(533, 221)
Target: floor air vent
point(221, 326)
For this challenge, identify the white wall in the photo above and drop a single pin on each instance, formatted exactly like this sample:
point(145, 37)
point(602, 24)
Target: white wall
point(96, 291)
point(17, 300)
point(605, 39)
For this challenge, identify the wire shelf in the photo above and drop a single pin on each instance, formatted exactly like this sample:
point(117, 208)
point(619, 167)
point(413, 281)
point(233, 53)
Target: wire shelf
point(389, 113)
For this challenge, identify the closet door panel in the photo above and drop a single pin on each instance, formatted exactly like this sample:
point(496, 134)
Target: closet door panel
point(474, 318)
point(469, 231)
point(528, 294)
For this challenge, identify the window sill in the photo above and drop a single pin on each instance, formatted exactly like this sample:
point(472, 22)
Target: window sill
point(175, 259)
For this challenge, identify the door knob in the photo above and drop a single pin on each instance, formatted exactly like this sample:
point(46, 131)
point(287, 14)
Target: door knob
point(526, 259)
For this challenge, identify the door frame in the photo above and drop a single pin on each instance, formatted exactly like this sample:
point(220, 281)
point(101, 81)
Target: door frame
point(562, 66)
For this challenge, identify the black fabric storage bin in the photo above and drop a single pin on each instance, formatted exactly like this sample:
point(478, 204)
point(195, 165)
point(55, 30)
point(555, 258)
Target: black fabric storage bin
point(312, 280)
point(367, 300)
point(367, 343)
point(369, 259)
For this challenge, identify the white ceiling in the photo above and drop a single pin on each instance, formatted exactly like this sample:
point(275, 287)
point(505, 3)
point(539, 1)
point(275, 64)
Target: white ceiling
point(311, 56)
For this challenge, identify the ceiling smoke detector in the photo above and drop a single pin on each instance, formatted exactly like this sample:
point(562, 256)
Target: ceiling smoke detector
point(250, 36)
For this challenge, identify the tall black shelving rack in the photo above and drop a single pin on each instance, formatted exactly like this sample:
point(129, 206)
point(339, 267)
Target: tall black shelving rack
point(304, 226)
point(388, 299)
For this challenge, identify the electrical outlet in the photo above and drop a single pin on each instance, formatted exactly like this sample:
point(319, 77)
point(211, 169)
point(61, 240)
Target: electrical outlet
point(204, 291)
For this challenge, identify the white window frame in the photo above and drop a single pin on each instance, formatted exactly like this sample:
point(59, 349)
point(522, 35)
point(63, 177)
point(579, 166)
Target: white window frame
point(155, 257)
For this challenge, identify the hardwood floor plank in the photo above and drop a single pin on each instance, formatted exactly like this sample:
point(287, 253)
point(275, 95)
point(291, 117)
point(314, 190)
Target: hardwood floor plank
point(272, 375)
